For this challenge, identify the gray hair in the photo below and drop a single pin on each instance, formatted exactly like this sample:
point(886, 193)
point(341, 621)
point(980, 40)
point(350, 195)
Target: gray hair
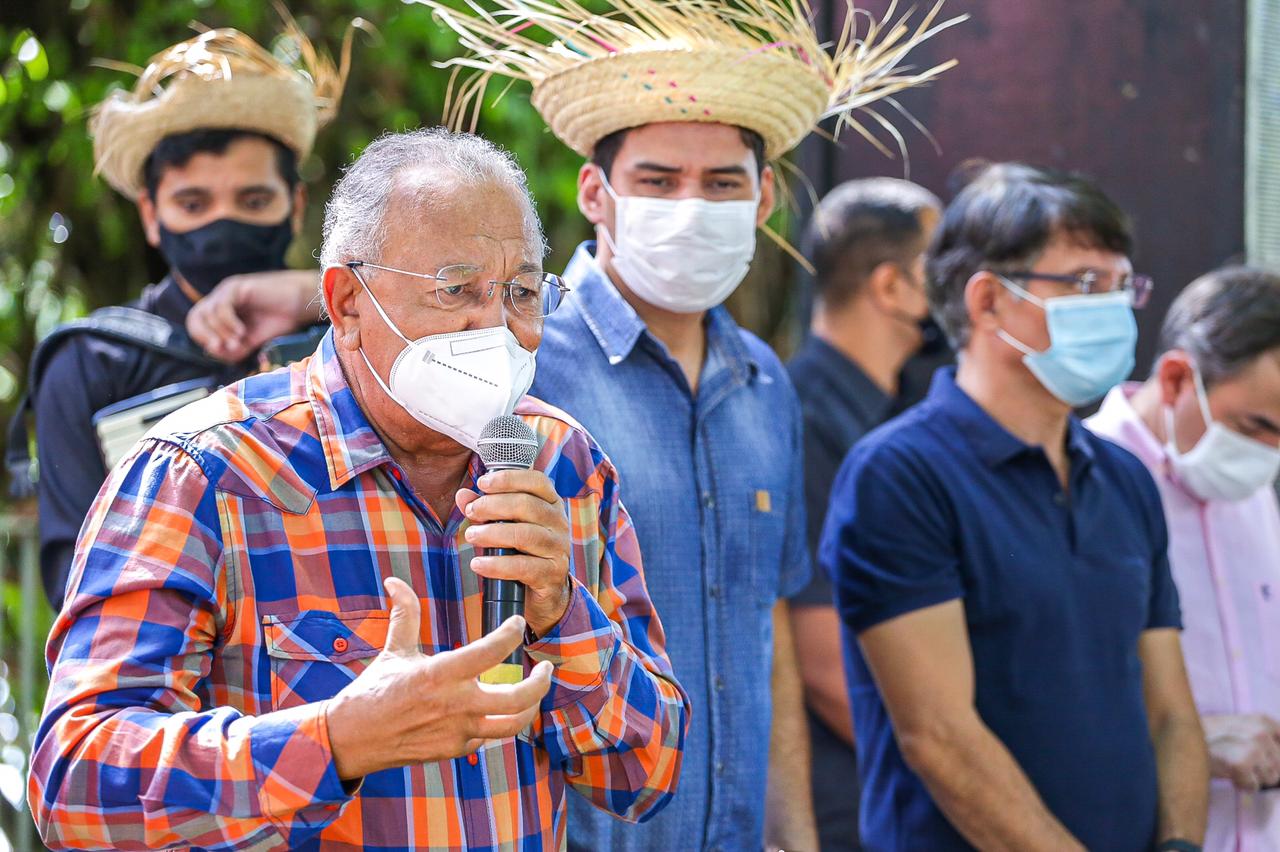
point(354, 218)
point(1225, 319)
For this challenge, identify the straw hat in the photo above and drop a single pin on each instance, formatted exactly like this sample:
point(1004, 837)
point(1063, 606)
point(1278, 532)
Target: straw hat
point(218, 79)
point(757, 64)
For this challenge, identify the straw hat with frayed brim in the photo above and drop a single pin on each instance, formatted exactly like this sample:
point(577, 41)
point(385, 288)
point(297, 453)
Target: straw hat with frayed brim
point(757, 64)
point(220, 79)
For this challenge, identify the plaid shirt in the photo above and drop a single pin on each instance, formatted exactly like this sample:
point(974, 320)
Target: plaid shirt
point(229, 579)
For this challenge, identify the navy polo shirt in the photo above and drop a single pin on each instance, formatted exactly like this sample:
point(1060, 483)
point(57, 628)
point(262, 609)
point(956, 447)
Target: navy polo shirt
point(942, 504)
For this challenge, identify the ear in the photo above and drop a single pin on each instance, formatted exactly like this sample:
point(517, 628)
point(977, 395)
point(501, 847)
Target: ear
point(884, 285)
point(593, 198)
point(980, 296)
point(150, 219)
point(1175, 375)
point(299, 207)
point(768, 195)
point(341, 291)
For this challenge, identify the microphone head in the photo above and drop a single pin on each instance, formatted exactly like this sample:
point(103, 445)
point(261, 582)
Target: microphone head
point(507, 443)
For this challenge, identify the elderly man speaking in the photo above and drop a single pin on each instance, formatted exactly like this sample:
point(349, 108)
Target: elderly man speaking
point(272, 631)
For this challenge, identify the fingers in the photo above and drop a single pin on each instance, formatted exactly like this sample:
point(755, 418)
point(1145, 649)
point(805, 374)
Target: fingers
point(1272, 726)
point(515, 506)
point(215, 325)
point(533, 482)
point(511, 699)
point(483, 654)
point(533, 571)
point(530, 539)
point(406, 617)
point(464, 498)
point(505, 727)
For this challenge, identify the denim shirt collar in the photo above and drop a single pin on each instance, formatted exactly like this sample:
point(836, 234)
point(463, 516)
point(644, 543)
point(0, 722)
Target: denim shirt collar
point(617, 328)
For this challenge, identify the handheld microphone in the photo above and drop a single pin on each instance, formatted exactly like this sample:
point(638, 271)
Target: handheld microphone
point(506, 443)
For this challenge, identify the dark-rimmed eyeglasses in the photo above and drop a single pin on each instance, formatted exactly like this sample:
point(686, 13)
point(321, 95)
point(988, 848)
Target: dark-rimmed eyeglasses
point(532, 295)
point(1138, 287)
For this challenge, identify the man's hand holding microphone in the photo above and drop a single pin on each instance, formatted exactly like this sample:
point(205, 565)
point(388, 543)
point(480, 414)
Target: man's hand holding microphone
point(407, 707)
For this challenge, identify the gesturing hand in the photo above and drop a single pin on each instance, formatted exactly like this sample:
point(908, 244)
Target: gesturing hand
point(534, 523)
point(1245, 749)
point(408, 708)
point(245, 311)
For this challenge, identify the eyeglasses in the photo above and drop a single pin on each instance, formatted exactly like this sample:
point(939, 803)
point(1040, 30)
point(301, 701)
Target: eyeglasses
point(1138, 287)
point(532, 295)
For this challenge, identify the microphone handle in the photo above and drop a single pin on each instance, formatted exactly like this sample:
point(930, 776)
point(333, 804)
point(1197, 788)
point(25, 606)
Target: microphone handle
point(503, 599)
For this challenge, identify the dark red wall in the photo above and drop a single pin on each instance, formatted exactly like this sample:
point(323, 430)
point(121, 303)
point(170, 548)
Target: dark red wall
point(1147, 96)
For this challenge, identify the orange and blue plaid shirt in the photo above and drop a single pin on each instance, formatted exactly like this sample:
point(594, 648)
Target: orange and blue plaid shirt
point(229, 579)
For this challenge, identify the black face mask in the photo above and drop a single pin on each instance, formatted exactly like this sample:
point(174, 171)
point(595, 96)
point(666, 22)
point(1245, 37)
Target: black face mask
point(206, 255)
point(933, 339)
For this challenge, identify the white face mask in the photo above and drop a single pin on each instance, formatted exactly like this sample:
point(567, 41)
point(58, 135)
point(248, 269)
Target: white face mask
point(683, 255)
point(456, 383)
point(1223, 465)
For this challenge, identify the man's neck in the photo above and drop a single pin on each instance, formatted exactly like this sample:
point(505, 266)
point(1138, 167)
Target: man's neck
point(684, 335)
point(1015, 399)
point(874, 343)
point(1148, 402)
point(436, 468)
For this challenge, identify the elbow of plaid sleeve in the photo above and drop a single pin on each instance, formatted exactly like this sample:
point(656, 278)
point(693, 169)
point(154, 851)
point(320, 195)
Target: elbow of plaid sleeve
point(273, 782)
point(614, 718)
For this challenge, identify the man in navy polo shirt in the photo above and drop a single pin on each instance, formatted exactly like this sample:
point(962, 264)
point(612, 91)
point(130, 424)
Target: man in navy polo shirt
point(1016, 680)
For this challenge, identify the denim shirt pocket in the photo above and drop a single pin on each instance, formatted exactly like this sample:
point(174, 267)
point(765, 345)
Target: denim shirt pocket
point(316, 653)
point(767, 528)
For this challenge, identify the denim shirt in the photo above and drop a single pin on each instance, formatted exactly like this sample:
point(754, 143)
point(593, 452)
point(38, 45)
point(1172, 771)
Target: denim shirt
point(713, 483)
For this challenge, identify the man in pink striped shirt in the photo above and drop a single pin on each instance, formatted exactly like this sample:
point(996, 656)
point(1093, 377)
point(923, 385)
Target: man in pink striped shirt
point(1207, 424)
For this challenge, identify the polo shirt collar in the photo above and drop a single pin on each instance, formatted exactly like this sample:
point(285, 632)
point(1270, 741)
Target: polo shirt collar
point(350, 444)
point(993, 443)
point(617, 327)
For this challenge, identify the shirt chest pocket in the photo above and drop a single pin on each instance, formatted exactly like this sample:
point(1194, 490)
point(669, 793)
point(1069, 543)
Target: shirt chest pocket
point(766, 532)
point(315, 653)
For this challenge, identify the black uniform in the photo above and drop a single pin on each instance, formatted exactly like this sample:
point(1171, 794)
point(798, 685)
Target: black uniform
point(83, 375)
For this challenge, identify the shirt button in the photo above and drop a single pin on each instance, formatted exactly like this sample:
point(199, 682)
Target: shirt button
point(713, 592)
point(1060, 498)
point(708, 500)
point(719, 769)
point(473, 759)
point(719, 683)
point(339, 645)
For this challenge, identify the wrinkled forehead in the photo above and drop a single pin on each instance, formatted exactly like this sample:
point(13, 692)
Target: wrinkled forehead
point(434, 219)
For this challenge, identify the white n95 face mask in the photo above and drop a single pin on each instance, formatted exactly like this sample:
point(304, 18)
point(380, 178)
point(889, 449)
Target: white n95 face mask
point(684, 255)
point(456, 383)
point(1223, 465)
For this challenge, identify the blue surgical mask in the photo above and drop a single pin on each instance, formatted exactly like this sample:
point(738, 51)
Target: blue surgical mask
point(1091, 344)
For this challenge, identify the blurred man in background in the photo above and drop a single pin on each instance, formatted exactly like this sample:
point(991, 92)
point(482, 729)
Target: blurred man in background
point(1207, 426)
point(213, 167)
point(1001, 573)
point(866, 241)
